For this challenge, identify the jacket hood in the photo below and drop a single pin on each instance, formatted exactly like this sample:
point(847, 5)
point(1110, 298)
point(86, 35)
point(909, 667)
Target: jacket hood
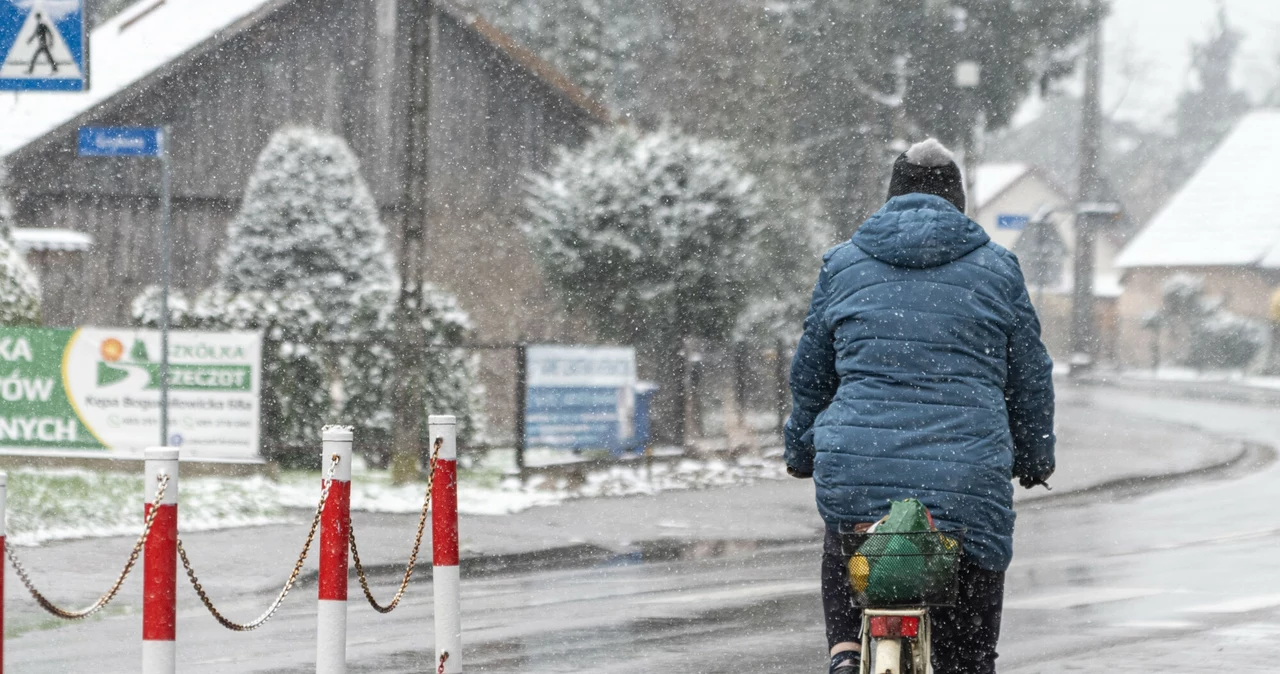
point(919, 231)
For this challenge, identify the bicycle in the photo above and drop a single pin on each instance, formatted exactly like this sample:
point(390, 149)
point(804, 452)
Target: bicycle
point(897, 578)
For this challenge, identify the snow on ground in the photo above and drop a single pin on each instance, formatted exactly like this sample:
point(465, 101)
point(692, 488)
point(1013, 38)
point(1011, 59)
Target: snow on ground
point(1185, 374)
point(50, 505)
point(485, 492)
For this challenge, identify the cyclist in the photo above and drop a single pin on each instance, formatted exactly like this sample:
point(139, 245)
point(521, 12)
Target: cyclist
point(921, 374)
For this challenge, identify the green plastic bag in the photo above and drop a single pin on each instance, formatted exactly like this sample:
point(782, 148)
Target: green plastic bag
point(908, 560)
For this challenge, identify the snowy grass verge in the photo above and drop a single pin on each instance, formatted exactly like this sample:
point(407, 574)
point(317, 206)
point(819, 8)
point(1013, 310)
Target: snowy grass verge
point(489, 492)
point(50, 505)
point(47, 505)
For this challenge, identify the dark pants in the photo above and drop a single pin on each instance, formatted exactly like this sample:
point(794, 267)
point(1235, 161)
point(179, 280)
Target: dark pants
point(964, 636)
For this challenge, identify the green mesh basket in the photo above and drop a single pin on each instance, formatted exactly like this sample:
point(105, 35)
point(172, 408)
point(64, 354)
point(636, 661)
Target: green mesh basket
point(916, 568)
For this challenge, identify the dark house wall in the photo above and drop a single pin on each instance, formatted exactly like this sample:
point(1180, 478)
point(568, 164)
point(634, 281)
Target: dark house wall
point(338, 65)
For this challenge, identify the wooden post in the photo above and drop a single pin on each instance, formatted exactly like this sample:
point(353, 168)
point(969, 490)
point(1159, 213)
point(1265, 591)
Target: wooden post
point(522, 403)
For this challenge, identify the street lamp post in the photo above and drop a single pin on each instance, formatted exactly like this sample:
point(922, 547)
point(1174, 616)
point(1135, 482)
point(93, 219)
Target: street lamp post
point(968, 75)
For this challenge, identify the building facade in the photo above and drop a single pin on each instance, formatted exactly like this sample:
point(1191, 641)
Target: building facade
point(1024, 211)
point(1221, 228)
point(240, 70)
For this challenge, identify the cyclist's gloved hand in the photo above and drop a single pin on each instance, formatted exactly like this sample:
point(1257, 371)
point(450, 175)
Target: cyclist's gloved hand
point(1029, 482)
point(796, 473)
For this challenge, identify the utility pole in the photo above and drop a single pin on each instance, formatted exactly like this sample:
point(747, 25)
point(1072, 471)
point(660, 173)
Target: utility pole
point(1083, 328)
point(407, 402)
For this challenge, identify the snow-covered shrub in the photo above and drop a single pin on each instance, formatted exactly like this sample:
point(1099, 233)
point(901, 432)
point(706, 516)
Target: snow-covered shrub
point(649, 233)
point(19, 287)
point(1225, 340)
point(447, 379)
point(1183, 296)
point(1211, 337)
point(651, 236)
point(308, 224)
point(791, 235)
point(307, 264)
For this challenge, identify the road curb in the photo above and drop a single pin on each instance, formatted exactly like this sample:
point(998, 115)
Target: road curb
point(1251, 456)
point(1219, 391)
point(587, 555)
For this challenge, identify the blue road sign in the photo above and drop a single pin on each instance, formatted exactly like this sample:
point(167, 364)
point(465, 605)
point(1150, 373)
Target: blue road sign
point(44, 45)
point(580, 397)
point(121, 141)
point(1012, 221)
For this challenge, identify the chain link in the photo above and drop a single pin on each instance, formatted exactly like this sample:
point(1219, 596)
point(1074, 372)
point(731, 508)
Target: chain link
point(413, 554)
point(110, 594)
point(288, 585)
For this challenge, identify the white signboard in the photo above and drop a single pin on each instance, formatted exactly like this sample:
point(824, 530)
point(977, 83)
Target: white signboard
point(98, 388)
point(580, 397)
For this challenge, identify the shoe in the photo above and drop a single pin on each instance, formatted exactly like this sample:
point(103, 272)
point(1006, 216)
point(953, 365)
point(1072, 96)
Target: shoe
point(846, 662)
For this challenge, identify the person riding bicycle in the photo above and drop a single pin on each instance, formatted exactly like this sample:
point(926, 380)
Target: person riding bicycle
point(921, 374)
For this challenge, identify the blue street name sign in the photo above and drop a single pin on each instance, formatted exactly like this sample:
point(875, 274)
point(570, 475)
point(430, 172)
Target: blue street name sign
point(1012, 221)
point(43, 46)
point(121, 141)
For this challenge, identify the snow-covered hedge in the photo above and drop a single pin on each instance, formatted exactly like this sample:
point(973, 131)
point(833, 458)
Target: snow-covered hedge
point(307, 264)
point(1213, 338)
point(448, 378)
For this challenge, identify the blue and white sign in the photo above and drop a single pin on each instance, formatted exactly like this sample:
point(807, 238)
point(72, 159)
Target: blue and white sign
point(44, 45)
point(121, 141)
point(1018, 222)
point(580, 397)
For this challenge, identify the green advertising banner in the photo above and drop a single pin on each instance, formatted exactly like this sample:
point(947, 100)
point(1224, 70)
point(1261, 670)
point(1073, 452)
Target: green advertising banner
point(99, 388)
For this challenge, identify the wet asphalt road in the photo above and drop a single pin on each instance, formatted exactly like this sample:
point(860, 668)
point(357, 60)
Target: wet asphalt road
point(1166, 577)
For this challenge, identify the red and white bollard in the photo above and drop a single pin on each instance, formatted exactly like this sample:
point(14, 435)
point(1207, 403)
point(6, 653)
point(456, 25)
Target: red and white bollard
point(160, 565)
point(4, 492)
point(335, 529)
point(444, 540)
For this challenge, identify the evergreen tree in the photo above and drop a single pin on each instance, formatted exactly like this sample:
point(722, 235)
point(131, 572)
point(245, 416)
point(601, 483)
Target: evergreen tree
point(869, 73)
point(19, 288)
point(593, 42)
point(1209, 110)
point(307, 265)
point(651, 236)
point(308, 225)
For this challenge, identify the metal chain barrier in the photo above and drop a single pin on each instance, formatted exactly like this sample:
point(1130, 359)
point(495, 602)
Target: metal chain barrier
point(106, 598)
point(413, 554)
point(288, 585)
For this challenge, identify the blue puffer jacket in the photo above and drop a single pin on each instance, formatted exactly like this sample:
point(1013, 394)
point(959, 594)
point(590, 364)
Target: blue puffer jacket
point(921, 374)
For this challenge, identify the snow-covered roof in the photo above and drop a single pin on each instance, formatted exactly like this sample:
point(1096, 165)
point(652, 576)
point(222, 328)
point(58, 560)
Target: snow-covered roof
point(991, 180)
point(151, 35)
point(124, 50)
point(1226, 215)
point(49, 238)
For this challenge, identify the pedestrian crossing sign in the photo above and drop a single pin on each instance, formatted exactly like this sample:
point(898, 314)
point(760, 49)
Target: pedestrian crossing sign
point(44, 45)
